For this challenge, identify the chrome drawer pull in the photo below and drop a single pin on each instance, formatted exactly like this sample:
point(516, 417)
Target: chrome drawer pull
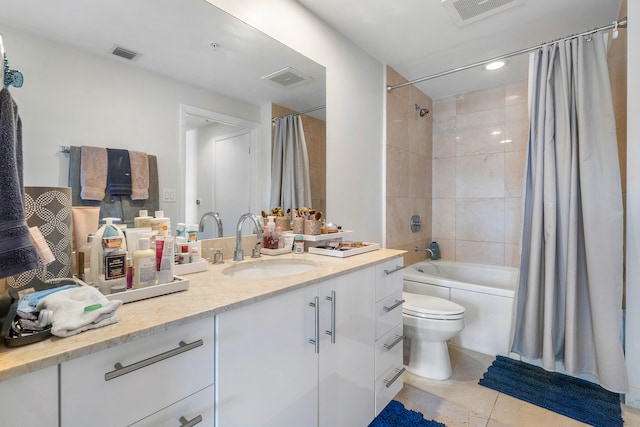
point(332, 332)
point(397, 304)
point(399, 339)
point(122, 370)
point(389, 383)
point(190, 423)
point(398, 268)
point(316, 342)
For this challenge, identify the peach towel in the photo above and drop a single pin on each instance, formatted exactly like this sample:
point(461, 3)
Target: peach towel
point(139, 175)
point(93, 172)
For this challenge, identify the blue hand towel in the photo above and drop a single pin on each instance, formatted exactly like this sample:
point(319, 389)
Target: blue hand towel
point(17, 253)
point(119, 172)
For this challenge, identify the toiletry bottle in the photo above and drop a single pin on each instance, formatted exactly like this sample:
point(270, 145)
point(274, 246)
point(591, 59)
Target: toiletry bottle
point(192, 233)
point(280, 239)
point(129, 273)
point(298, 244)
point(97, 250)
point(194, 253)
point(270, 239)
point(164, 259)
point(144, 265)
point(435, 250)
point(84, 260)
point(143, 220)
point(113, 274)
point(161, 225)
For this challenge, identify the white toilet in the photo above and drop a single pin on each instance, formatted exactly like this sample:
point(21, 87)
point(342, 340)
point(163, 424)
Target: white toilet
point(429, 322)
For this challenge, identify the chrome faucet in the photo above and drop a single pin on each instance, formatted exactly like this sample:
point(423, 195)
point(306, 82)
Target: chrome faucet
point(238, 254)
point(416, 249)
point(216, 217)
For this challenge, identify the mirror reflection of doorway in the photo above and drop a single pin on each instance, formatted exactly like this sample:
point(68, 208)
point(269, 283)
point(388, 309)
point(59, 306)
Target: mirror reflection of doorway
point(218, 173)
point(232, 180)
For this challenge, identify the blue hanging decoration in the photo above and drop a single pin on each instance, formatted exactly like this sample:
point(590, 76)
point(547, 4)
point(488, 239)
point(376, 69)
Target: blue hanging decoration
point(11, 77)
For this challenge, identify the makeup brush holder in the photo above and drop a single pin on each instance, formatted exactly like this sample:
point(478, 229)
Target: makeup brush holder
point(312, 227)
point(298, 225)
point(283, 222)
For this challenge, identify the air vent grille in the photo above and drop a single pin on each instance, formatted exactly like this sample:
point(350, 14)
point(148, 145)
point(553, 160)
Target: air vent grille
point(464, 12)
point(287, 77)
point(124, 53)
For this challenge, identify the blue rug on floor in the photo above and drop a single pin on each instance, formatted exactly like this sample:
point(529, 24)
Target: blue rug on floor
point(396, 415)
point(575, 398)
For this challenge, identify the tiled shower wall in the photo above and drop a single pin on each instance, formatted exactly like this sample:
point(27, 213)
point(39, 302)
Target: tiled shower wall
point(408, 168)
point(479, 141)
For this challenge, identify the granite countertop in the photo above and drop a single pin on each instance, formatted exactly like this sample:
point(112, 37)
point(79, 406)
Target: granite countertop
point(210, 292)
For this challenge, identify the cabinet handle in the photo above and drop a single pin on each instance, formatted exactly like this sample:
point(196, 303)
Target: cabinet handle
point(398, 268)
point(316, 342)
point(122, 370)
point(190, 423)
point(397, 304)
point(389, 383)
point(399, 339)
point(332, 332)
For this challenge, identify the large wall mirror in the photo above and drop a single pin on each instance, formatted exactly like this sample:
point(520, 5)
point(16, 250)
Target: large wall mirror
point(201, 77)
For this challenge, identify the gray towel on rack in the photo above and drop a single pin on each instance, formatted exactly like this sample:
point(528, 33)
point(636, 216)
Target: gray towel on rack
point(119, 172)
point(17, 253)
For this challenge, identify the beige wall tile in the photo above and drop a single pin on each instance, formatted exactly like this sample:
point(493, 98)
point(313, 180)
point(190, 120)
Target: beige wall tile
point(447, 249)
point(516, 93)
point(419, 176)
point(480, 252)
point(486, 120)
point(444, 107)
point(519, 136)
point(480, 176)
point(444, 146)
point(444, 178)
point(480, 100)
point(512, 220)
point(514, 162)
point(480, 141)
point(512, 255)
point(444, 219)
point(480, 220)
point(397, 172)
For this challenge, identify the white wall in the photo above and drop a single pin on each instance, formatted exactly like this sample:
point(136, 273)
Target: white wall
point(355, 109)
point(633, 204)
point(73, 98)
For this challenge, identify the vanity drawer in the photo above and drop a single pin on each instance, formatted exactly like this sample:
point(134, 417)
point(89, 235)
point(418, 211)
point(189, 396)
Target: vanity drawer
point(388, 313)
point(389, 277)
point(388, 385)
point(196, 409)
point(389, 350)
point(171, 365)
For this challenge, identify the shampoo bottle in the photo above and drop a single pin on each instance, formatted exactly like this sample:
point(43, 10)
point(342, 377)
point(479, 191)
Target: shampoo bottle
point(97, 251)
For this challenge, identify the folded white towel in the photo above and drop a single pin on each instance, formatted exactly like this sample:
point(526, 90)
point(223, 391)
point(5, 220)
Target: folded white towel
point(78, 309)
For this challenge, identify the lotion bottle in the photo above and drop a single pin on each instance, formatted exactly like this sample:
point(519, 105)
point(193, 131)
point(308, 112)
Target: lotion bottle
point(144, 264)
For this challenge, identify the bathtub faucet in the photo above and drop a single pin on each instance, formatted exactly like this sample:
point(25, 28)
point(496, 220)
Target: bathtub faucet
point(423, 249)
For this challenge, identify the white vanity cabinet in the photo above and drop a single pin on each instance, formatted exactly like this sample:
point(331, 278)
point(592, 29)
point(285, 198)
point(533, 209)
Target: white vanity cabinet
point(277, 364)
point(389, 336)
point(130, 382)
point(30, 399)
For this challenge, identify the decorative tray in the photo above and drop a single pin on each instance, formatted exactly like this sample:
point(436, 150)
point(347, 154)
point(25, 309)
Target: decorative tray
point(131, 295)
point(328, 236)
point(344, 252)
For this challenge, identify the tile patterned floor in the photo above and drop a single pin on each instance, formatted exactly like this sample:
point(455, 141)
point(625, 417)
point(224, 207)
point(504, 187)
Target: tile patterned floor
point(461, 401)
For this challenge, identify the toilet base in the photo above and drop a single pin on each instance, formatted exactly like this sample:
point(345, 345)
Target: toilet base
point(429, 359)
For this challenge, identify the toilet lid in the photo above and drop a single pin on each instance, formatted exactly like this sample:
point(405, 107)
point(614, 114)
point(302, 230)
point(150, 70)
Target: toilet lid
point(429, 307)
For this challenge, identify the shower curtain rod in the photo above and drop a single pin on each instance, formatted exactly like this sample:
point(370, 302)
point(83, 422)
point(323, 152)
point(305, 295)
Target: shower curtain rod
point(615, 25)
point(300, 113)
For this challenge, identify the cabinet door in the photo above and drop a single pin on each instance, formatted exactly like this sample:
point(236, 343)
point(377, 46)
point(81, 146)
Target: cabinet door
point(347, 365)
point(266, 370)
point(123, 384)
point(30, 399)
point(195, 410)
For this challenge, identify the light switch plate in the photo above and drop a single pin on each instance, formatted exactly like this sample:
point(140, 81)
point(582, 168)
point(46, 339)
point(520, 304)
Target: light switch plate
point(168, 194)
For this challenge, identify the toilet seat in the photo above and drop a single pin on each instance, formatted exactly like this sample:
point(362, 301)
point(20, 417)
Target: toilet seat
point(429, 307)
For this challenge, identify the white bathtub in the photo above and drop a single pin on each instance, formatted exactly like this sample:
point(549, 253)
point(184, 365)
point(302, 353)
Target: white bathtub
point(485, 291)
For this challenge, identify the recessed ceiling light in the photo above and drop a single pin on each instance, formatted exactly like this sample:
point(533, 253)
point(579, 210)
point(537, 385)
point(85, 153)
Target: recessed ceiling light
point(495, 65)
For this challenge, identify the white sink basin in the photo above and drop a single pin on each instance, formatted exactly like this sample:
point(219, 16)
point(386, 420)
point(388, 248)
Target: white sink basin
point(269, 268)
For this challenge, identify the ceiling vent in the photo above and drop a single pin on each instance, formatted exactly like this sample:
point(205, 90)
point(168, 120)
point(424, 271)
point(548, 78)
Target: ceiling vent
point(125, 53)
point(464, 12)
point(288, 77)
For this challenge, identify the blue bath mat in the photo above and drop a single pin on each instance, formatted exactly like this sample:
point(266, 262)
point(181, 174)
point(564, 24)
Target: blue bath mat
point(396, 415)
point(575, 398)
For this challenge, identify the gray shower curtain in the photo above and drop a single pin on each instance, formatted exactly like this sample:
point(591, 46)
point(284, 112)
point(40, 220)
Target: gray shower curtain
point(290, 185)
point(570, 285)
